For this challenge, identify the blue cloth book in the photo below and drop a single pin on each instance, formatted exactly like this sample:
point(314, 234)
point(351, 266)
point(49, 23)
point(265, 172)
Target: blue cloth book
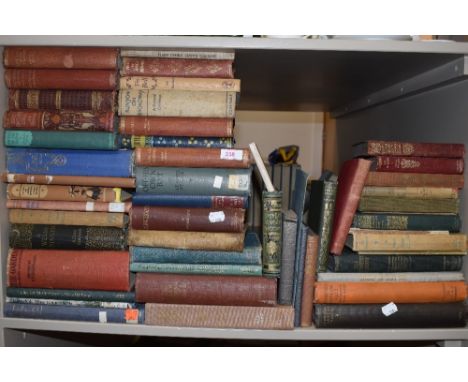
point(202, 201)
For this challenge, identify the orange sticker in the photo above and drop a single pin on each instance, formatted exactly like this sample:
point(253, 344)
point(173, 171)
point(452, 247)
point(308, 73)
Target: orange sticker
point(131, 315)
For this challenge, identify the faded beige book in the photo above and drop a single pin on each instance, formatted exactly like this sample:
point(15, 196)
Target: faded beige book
point(180, 83)
point(177, 103)
point(407, 242)
point(411, 192)
point(209, 241)
point(193, 54)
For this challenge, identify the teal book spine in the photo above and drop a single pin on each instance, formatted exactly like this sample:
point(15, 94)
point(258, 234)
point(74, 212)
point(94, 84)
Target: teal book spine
point(193, 181)
point(71, 294)
point(272, 227)
point(60, 139)
point(410, 222)
point(201, 269)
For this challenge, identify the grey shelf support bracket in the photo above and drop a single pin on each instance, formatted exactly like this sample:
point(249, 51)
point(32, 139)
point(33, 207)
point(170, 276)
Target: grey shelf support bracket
point(453, 71)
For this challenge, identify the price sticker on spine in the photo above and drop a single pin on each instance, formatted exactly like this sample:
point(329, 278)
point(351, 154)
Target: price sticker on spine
point(389, 309)
point(231, 154)
point(103, 317)
point(216, 217)
point(218, 181)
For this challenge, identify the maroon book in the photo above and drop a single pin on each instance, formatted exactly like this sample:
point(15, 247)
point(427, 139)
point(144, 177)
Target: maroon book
point(387, 163)
point(205, 289)
point(402, 179)
point(414, 149)
point(351, 180)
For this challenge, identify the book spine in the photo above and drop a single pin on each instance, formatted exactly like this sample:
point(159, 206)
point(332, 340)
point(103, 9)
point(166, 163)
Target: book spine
point(68, 269)
point(418, 165)
point(205, 289)
point(74, 313)
point(411, 192)
point(27, 99)
point(286, 279)
point(399, 179)
point(233, 317)
point(383, 292)
point(326, 223)
point(177, 126)
point(76, 303)
point(99, 181)
point(68, 206)
point(71, 294)
point(299, 272)
point(177, 67)
point(133, 141)
point(63, 79)
point(400, 263)
point(435, 150)
point(94, 219)
point(192, 181)
point(408, 316)
point(62, 193)
point(60, 57)
point(60, 140)
point(187, 219)
point(200, 269)
point(203, 201)
point(430, 206)
point(310, 269)
point(272, 228)
point(61, 120)
point(34, 236)
point(192, 157)
point(350, 184)
point(180, 83)
point(70, 162)
point(391, 277)
point(208, 241)
point(175, 103)
point(197, 55)
point(410, 222)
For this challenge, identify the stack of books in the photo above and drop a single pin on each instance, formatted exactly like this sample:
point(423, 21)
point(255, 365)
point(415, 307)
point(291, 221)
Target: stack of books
point(65, 194)
point(404, 247)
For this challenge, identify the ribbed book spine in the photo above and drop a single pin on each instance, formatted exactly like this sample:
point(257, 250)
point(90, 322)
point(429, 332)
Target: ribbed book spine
point(200, 269)
point(391, 277)
point(74, 313)
point(232, 317)
point(418, 164)
point(37, 236)
point(272, 232)
point(71, 294)
point(133, 141)
point(66, 180)
point(176, 103)
point(398, 148)
point(190, 181)
point(390, 204)
point(310, 270)
point(69, 162)
point(180, 83)
point(202, 201)
point(288, 253)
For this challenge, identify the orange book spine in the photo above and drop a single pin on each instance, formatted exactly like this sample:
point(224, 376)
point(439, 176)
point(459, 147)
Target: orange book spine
point(102, 181)
point(384, 292)
point(310, 269)
point(68, 206)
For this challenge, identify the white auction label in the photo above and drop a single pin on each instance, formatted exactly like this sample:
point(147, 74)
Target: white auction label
point(11, 178)
point(103, 317)
point(216, 217)
point(389, 309)
point(218, 181)
point(239, 182)
point(231, 154)
point(89, 206)
point(116, 207)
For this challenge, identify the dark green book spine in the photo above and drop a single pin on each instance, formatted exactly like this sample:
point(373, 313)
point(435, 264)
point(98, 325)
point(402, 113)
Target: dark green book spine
point(201, 269)
point(42, 236)
point(192, 181)
point(60, 139)
point(321, 212)
point(272, 228)
point(395, 204)
point(410, 222)
point(71, 294)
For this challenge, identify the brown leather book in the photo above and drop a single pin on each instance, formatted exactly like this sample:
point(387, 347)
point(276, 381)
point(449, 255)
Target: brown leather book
point(384, 292)
point(187, 219)
point(400, 179)
point(68, 180)
point(94, 219)
point(176, 67)
point(192, 157)
point(176, 126)
point(410, 164)
point(209, 241)
point(66, 193)
point(60, 57)
point(310, 269)
point(414, 149)
point(59, 120)
point(68, 206)
point(22, 99)
point(205, 289)
point(68, 269)
point(217, 316)
point(78, 79)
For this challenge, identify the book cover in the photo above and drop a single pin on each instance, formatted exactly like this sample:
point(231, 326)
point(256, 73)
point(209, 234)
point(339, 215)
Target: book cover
point(68, 269)
point(198, 269)
point(420, 149)
point(103, 163)
point(205, 289)
point(134, 141)
point(173, 53)
point(75, 303)
point(180, 83)
point(301, 247)
point(288, 254)
point(310, 270)
point(402, 205)
point(401, 179)
point(68, 206)
point(69, 180)
point(411, 192)
point(390, 277)
point(272, 230)
point(425, 165)
point(350, 184)
point(202, 201)
point(218, 316)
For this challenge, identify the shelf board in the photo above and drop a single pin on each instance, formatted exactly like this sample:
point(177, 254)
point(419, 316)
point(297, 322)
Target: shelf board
point(301, 334)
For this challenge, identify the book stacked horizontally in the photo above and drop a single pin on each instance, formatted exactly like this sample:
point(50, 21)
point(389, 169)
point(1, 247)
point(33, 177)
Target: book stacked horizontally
point(404, 254)
point(67, 206)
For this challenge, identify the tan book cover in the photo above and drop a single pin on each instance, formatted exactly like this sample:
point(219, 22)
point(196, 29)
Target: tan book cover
point(180, 83)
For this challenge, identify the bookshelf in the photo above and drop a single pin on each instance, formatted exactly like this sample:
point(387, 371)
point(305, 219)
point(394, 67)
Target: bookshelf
point(379, 89)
